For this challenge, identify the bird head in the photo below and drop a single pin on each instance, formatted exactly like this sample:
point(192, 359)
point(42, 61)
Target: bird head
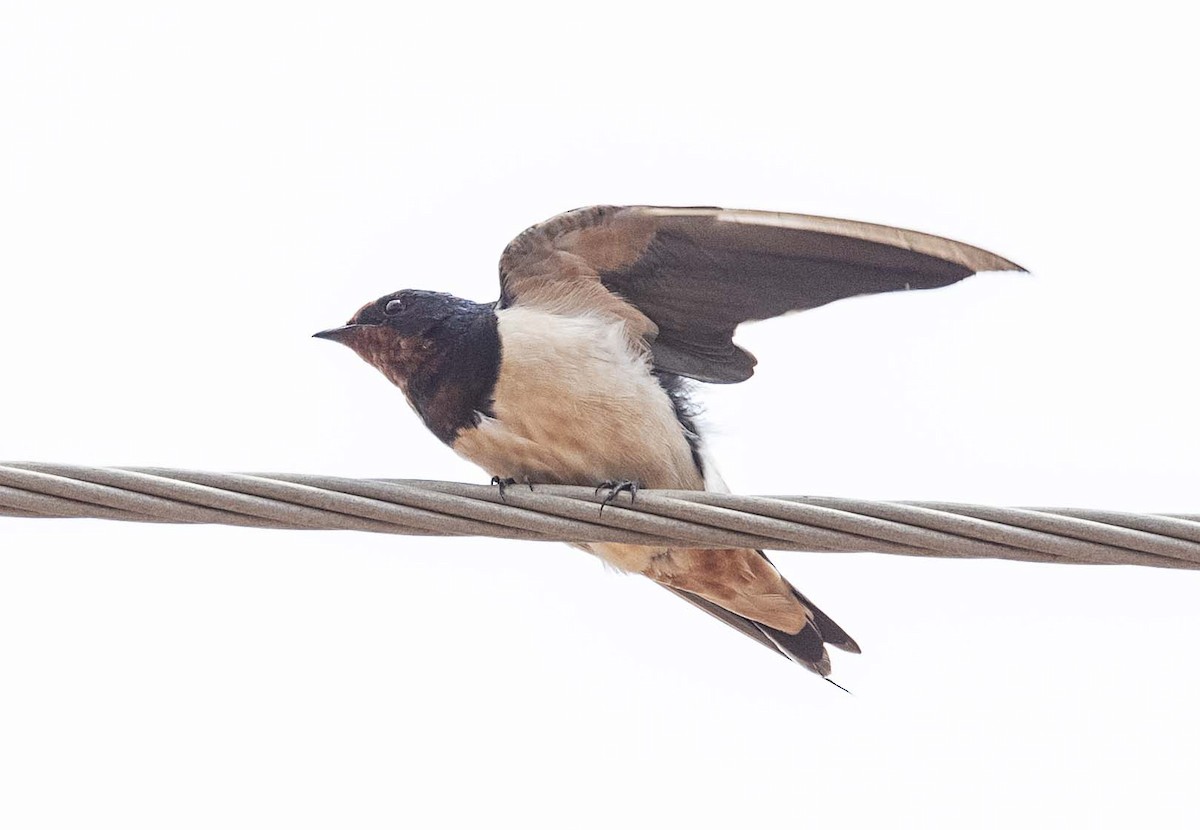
point(396, 333)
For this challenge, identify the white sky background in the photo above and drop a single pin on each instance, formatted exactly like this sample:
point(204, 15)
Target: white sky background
point(185, 196)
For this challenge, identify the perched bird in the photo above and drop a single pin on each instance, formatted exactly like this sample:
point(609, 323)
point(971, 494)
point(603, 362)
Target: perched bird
point(576, 374)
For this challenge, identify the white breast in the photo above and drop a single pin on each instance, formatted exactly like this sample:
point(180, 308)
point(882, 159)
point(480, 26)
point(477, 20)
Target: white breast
point(576, 404)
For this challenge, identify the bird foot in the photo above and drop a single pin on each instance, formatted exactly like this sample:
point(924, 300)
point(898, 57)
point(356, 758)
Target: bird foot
point(615, 487)
point(503, 484)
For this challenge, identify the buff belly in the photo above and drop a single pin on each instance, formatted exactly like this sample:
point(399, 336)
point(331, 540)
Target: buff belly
point(576, 404)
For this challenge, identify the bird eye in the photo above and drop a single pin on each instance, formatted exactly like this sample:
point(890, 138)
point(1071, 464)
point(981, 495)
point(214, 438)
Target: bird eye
point(393, 307)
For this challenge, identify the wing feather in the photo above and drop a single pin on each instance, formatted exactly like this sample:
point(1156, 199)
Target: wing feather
point(684, 279)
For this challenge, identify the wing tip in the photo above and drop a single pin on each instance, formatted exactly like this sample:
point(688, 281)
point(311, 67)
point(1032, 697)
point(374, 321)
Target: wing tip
point(978, 260)
point(994, 264)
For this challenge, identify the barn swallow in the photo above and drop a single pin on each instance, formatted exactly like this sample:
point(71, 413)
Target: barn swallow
point(579, 373)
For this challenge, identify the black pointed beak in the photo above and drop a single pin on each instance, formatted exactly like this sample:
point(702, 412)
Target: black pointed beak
point(338, 334)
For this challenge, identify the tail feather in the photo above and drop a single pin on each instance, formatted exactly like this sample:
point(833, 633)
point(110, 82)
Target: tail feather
point(831, 632)
point(806, 647)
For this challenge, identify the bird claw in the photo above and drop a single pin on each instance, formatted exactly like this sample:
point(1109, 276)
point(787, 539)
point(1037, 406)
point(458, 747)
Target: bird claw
point(503, 484)
point(615, 487)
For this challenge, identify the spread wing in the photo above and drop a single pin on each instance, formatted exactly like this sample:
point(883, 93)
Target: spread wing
point(683, 279)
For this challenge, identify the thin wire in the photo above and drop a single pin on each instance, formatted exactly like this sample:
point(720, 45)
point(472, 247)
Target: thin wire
point(572, 514)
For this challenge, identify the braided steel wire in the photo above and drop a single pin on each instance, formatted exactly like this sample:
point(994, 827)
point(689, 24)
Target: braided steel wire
point(573, 514)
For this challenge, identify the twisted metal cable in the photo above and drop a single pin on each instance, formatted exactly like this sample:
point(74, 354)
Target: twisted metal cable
point(573, 514)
